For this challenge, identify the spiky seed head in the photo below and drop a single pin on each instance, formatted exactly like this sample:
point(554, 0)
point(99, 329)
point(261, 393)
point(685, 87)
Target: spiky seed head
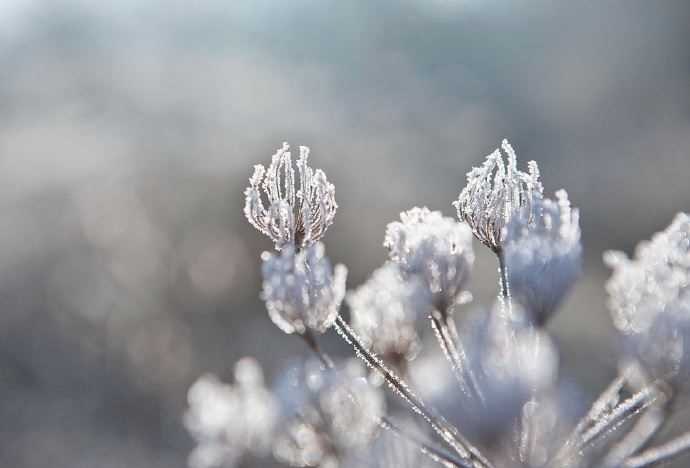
point(495, 193)
point(293, 215)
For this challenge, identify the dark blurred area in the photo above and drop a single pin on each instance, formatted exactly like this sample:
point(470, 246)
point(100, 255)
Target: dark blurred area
point(128, 131)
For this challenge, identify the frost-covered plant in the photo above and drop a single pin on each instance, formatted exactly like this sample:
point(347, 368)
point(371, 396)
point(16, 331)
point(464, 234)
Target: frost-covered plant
point(385, 311)
point(543, 256)
point(301, 290)
point(512, 409)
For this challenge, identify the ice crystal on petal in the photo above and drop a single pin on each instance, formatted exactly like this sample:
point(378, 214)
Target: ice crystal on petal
point(543, 257)
point(649, 296)
point(384, 312)
point(496, 192)
point(435, 248)
point(301, 290)
point(228, 420)
point(328, 413)
point(294, 215)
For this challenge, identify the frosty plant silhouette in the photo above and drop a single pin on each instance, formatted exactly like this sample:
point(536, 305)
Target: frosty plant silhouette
point(511, 410)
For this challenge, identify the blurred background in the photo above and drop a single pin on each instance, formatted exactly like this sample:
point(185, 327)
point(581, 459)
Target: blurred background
point(128, 130)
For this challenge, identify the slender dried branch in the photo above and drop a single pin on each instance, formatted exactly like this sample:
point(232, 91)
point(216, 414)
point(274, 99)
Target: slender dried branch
point(665, 452)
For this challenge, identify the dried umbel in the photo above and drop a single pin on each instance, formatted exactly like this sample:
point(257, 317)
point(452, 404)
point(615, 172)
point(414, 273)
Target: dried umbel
point(293, 216)
point(301, 290)
point(228, 420)
point(434, 248)
point(543, 257)
point(385, 311)
point(495, 192)
point(649, 297)
point(327, 414)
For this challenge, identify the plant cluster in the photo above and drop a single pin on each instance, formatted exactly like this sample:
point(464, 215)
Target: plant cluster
point(504, 405)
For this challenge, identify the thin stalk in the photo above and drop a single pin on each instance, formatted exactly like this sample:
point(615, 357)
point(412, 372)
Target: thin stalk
point(661, 453)
point(445, 430)
point(608, 399)
point(458, 360)
point(310, 339)
point(434, 453)
point(621, 413)
point(642, 432)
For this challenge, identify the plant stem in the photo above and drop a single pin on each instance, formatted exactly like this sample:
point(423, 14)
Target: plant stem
point(664, 452)
point(446, 431)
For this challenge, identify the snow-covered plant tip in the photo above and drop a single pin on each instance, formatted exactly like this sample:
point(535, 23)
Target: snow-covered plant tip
point(500, 402)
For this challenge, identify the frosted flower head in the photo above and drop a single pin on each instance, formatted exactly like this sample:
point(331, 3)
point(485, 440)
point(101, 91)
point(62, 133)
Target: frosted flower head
point(543, 257)
point(511, 362)
point(328, 413)
point(292, 216)
point(228, 420)
point(435, 248)
point(301, 290)
point(384, 313)
point(496, 192)
point(649, 295)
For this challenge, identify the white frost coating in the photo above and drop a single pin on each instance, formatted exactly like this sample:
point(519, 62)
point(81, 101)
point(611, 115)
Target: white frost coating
point(435, 248)
point(649, 297)
point(228, 420)
point(330, 414)
point(384, 312)
point(543, 257)
point(293, 216)
point(301, 290)
point(495, 192)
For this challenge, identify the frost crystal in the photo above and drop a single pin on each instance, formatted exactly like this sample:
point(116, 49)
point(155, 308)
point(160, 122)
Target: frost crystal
point(293, 216)
point(301, 290)
point(229, 420)
point(384, 312)
point(494, 193)
point(543, 258)
point(649, 295)
point(435, 248)
point(327, 414)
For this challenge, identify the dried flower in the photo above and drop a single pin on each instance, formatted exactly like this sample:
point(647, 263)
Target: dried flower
point(228, 420)
point(384, 313)
point(328, 413)
point(543, 257)
point(435, 248)
point(293, 217)
point(494, 193)
point(649, 296)
point(301, 290)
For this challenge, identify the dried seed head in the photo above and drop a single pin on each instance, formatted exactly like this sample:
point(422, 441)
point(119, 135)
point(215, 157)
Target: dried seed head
point(495, 192)
point(435, 248)
point(543, 257)
point(384, 313)
point(301, 290)
point(293, 216)
point(328, 413)
point(228, 420)
point(649, 297)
